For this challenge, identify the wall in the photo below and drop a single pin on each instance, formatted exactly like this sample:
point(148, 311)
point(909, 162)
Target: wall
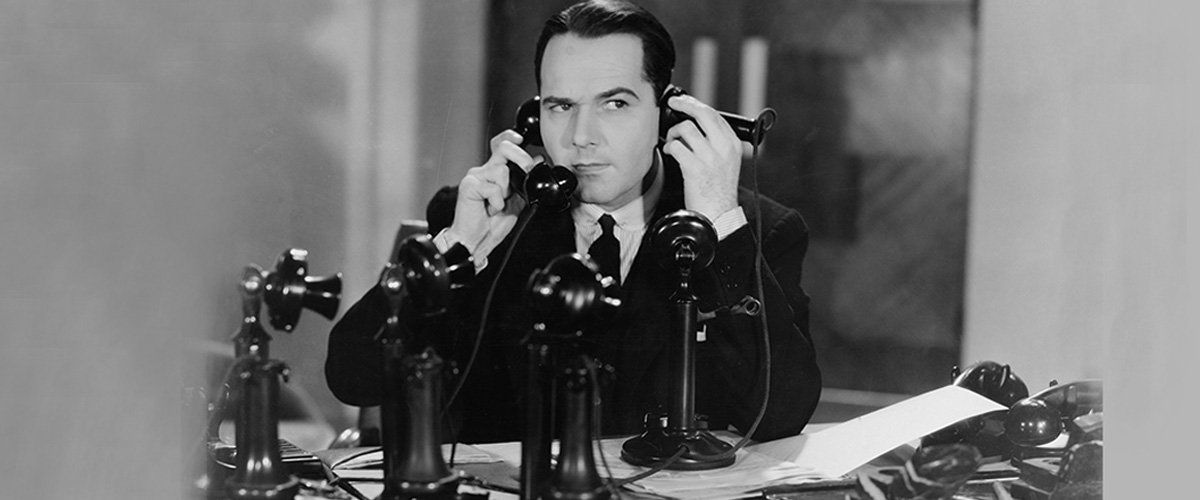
point(1076, 264)
point(148, 151)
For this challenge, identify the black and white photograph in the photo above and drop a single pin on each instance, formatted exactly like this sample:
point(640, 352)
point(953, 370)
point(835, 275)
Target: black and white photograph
point(596, 249)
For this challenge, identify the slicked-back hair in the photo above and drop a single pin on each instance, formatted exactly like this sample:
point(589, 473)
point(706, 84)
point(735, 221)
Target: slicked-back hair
point(597, 18)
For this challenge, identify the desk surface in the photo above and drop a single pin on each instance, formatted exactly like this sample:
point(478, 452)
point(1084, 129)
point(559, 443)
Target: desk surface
point(501, 479)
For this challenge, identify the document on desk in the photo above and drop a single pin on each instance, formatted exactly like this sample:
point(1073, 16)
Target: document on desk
point(836, 451)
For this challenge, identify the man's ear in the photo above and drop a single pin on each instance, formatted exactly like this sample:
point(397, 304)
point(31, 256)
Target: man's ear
point(668, 117)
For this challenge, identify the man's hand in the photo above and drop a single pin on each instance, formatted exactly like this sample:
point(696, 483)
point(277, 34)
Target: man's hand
point(486, 209)
point(709, 156)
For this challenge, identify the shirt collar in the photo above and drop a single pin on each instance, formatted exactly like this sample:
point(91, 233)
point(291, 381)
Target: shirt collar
point(633, 216)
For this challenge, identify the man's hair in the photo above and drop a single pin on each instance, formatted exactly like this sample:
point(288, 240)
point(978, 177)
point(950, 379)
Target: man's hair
point(597, 18)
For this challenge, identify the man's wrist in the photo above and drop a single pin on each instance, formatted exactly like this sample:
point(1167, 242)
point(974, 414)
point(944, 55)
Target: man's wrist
point(729, 221)
point(446, 239)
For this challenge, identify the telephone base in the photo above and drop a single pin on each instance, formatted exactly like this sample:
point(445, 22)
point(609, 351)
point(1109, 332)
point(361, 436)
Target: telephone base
point(241, 491)
point(657, 445)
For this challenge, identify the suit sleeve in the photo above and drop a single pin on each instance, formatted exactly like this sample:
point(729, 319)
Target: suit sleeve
point(353, 363)
point(736, 346)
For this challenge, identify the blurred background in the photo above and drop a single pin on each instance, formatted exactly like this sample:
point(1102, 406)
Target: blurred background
point(983, 180)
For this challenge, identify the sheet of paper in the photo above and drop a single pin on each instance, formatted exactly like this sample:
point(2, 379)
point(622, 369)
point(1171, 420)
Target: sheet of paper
point(840, 449)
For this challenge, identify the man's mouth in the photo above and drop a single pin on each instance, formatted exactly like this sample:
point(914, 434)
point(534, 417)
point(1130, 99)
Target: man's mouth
point(588, 166)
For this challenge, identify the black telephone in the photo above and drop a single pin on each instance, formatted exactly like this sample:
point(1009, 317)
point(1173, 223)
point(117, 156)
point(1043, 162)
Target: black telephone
point(986, 432)
point(1043, 417)
point(752, 130)
point(1031, 421)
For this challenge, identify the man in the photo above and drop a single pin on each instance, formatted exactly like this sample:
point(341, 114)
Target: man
point(601, 67)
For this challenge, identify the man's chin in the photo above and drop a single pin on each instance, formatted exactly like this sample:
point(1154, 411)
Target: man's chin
point(590, 196)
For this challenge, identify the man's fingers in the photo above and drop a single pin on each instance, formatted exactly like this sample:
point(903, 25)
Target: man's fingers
point(509, 151)
point(509, 135)
point(710, 120)
point(678, 150)
point(493, 197)
point(691, 137)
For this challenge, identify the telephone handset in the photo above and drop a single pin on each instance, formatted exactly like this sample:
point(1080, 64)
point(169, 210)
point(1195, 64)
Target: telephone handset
point(996, 382)
point(751, 130)
point(545, 186)
point(527, 121)
point(1031, 421)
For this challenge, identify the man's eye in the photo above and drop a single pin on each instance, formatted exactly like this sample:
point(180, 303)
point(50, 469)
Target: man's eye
point(615, 104)
point(560, 107)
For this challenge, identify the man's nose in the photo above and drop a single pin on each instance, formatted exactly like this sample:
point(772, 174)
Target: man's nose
point(585, 132)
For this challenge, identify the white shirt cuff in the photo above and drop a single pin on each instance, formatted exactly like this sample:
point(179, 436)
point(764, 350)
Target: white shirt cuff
point(444, 242)
point(730, 221)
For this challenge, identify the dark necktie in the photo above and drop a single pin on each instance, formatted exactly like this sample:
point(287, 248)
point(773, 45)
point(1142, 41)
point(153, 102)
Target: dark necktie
point(606, 250)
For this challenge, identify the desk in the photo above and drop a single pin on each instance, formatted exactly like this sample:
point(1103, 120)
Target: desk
point(826, 460)
point(502, 477)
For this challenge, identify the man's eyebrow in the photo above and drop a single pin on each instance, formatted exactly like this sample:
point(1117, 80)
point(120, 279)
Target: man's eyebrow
point(552, 101)
point(615, 91)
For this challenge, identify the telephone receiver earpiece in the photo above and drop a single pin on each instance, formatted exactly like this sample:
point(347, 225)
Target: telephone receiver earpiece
point(751, 130)
point(526, 121)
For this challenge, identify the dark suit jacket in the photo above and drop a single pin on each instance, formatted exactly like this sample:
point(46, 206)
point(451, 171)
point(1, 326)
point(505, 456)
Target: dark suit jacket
point(729, 364)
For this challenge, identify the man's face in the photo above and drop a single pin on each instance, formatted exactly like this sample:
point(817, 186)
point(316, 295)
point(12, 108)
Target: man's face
point(599, 117)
